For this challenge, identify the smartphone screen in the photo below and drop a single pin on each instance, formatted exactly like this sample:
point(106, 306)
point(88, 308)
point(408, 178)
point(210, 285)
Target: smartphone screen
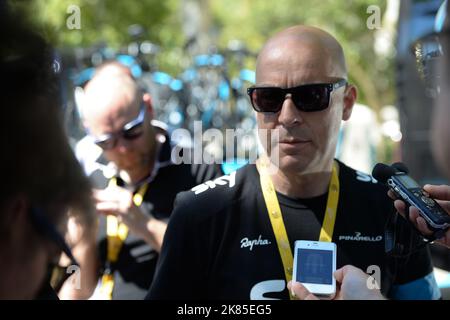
point(407, 181)
point(315, 266)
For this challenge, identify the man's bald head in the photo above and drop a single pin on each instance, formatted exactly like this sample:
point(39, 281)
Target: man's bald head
point(112, 103)
point(107, 92)
point(300, 56)
point(113, 68)
point(305, 40)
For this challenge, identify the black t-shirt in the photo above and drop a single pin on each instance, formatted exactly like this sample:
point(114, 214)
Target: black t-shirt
point(310, 212)
point(220, 244)
point(135, 267)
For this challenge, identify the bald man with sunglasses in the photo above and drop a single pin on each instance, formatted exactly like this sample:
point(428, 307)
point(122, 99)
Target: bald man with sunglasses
point(353, 280)
point(143, 181)
point(241, 246)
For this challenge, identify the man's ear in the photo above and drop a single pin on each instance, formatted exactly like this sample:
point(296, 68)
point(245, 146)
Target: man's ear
point(148, 103)
point(350, 95)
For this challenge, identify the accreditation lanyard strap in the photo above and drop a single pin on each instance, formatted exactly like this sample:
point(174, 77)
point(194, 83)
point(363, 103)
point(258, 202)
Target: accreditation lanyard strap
point(116, 233)
point(276, 216)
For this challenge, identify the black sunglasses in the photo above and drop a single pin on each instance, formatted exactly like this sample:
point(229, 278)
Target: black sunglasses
point(49, 231)
point(307, 98)
point(130, 131)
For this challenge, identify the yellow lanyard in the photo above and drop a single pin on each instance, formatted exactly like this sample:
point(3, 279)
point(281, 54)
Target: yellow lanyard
point(116, 233)
point(276, 217)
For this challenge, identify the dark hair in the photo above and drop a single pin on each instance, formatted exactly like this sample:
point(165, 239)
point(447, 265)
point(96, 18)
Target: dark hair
point(36, 159)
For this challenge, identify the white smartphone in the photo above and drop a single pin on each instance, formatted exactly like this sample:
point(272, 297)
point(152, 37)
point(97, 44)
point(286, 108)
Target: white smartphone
point(314, 265)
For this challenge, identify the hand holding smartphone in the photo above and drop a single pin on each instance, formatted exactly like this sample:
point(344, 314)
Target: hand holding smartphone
point(314, 266)
point(408, 190)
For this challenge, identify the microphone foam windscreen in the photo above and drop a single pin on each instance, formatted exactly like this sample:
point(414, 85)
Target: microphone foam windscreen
point(382, 172)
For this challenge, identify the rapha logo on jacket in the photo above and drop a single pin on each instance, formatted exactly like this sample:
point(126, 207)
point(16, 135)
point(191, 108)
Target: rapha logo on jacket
point(229, 179)
point(247, 243)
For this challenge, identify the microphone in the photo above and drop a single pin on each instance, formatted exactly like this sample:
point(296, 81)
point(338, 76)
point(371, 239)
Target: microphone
point(383, 172)
point(404, 188)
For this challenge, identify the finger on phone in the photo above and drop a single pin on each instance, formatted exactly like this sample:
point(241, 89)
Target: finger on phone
point(342, 272)
point(445, 240)
point(339, 275)
point(392, 195)
point(422, 226)
point(400, 206)
point(445, 204)
point(441, 192)
point(413, 213)
point(299, 291)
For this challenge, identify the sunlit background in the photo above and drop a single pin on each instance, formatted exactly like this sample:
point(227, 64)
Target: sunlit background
point(197, 57)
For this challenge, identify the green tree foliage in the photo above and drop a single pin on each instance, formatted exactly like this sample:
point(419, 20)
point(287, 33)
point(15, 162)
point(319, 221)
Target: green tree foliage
point(251, 21)
point(101, 20)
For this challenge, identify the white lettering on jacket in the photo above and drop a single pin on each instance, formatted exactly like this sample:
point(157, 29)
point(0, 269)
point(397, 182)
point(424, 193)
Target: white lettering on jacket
point(364, 177)
point(358, 237)
point(245, 242)
point(261, 288)
point(221, 181)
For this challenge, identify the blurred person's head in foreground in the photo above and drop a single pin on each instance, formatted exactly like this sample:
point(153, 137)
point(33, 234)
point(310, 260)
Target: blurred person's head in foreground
point(41, 179)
